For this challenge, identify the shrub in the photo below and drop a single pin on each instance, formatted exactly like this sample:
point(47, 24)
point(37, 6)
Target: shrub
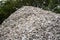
point(11, 5)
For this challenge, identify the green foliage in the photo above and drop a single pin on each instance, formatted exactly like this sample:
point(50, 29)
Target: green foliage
point(6, 9)
point(11, 5)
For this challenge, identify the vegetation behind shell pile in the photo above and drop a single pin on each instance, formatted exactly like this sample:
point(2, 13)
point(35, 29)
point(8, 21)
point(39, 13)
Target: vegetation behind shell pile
point(9, 6)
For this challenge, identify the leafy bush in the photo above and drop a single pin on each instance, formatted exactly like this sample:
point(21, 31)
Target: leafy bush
point(12, 5)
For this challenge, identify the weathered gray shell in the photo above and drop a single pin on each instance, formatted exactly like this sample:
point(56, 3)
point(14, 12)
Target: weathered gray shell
point(31, 23)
